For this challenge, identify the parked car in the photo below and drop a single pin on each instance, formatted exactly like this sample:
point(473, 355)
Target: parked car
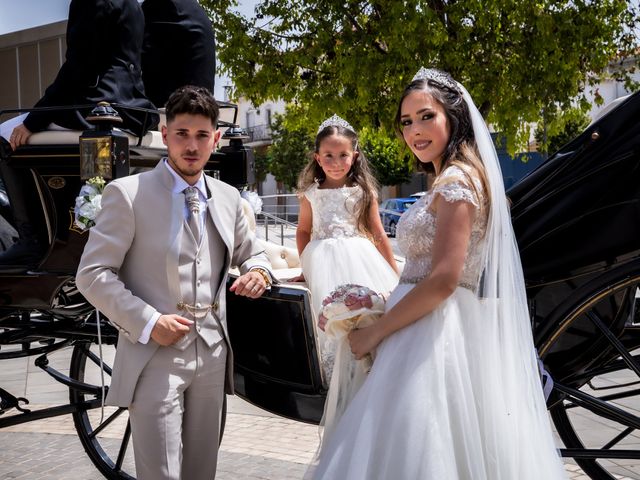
point(418, 194)
point(391, 210)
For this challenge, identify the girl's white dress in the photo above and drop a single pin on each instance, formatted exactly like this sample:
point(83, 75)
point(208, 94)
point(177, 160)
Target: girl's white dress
point(432, 406)
point(337, 254)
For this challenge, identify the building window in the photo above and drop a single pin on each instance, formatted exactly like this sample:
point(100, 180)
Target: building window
point(268, 116)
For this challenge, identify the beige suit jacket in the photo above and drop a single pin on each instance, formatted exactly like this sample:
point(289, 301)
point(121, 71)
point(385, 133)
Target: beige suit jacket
point(129, 268)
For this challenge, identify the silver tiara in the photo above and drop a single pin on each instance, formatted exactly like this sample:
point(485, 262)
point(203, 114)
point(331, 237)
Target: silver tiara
point(335, 121)
point(437, 76)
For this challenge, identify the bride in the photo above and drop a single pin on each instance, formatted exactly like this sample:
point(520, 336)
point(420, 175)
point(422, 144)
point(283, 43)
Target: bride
point(454, 392)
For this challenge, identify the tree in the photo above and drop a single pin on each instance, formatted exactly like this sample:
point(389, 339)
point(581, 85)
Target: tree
point(262, 164)
point(559, 127)
point(289, 152)
point(390, 160)
point(516, 58)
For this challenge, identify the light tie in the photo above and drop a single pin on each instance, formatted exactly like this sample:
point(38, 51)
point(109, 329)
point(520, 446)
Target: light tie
point(193, 204)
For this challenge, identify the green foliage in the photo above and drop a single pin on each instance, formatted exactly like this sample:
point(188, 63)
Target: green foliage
point(562, 126)
point(388, 157)
point(262, 164)
point(517, 58)
point(289, 153)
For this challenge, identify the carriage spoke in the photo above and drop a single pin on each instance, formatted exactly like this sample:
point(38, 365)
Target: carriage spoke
point(107, 422)
point(618, 396)
point(624, 353)
point(96, 360)
point(123, 446)
point(607, 398)
point(624, 434)
point(595, 405)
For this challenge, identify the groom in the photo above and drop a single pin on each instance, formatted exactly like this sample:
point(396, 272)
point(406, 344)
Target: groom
point(156, 265)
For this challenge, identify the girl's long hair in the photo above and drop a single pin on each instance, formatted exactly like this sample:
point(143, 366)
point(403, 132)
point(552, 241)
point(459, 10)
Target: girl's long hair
point(461, 149)
point(359, 174)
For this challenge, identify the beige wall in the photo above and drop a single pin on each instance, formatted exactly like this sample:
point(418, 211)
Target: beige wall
point(30, 60)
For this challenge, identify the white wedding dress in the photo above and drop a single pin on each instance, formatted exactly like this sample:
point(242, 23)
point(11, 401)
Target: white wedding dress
point(337, 254)
point(432, 407)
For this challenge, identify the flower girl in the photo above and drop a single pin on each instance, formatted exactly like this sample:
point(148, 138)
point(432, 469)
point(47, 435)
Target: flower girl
point(341, 240)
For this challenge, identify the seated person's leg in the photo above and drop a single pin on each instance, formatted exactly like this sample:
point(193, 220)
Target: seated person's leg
point(28, 218)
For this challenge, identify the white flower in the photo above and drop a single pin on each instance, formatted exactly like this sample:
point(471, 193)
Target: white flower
point(88, 190)
point(254, 200)
point(88, 203)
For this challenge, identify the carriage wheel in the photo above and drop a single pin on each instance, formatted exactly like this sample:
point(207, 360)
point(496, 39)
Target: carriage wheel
point(594, 357)
point(106, 438)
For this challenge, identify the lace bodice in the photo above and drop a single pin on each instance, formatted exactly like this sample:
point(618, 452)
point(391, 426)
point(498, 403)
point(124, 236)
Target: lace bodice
point(417, 227)
point(334, 211)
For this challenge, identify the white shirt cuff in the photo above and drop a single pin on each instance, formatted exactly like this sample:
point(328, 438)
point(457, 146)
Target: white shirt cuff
point(146, 332)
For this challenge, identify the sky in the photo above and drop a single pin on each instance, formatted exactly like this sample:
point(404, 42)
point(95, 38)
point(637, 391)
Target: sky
point(30, 13)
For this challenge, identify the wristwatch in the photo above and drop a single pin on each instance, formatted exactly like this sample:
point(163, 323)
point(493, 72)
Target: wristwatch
point(265, 275)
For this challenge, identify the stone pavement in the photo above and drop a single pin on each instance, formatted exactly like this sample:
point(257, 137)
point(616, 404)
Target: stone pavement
point(256, 445)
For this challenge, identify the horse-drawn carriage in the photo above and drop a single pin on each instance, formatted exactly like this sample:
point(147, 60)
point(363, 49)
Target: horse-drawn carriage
point(577, 220)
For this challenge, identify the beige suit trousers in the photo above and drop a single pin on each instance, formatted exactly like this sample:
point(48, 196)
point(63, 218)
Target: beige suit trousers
point(176, 413)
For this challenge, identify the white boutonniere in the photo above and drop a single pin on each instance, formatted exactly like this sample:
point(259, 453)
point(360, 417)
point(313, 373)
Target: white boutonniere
point(88, 203)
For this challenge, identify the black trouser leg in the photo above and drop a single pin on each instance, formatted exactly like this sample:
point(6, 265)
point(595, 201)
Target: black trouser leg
point(28, 217)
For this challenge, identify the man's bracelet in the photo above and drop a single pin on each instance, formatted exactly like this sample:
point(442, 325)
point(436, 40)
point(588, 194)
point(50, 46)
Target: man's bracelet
point(265, 275)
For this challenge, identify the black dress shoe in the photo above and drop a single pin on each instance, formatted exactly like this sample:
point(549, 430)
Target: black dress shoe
point(23, 253)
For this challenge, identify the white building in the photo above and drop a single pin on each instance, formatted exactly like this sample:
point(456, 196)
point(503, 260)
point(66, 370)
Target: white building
point(32, 47)
point(611, 89)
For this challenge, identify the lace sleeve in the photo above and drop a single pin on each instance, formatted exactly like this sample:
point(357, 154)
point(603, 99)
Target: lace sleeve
point(454, 186)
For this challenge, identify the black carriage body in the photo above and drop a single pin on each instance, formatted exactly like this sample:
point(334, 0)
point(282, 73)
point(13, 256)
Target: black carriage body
point(576, 219)
point(579, 212)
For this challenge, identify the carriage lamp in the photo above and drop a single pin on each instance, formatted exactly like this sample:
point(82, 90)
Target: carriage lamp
point(104, 152)
point(236, 161)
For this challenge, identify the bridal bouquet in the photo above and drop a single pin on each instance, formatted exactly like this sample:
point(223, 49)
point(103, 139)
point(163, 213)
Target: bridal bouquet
point(341, 319)
point(88, 203)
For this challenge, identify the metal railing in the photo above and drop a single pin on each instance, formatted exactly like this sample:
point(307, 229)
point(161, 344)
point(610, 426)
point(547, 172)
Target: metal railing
point(277, 225)
point(259, 132)
point(279, 216)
